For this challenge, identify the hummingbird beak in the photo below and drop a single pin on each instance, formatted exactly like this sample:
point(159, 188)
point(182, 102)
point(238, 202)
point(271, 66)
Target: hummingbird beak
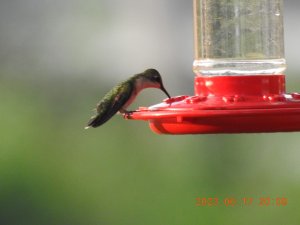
point(164, 90)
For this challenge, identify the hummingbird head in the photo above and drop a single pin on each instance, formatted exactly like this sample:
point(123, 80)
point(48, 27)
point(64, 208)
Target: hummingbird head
point(152, 78)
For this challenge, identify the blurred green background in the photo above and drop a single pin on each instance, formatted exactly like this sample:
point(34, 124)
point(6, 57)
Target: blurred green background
point(57, 58)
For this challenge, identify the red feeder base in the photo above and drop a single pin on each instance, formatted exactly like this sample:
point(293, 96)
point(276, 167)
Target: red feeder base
point(227, 104)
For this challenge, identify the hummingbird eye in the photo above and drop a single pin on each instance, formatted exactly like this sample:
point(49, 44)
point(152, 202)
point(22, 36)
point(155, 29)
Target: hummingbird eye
point(156, 78)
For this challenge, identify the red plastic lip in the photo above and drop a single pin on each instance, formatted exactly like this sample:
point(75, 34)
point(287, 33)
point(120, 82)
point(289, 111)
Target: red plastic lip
point(227, 104)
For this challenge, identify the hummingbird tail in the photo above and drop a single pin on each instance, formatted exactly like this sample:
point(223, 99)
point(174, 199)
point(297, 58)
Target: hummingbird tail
point(94, 122)
point(97, 121)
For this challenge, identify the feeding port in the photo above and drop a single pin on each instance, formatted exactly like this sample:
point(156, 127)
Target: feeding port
point(239, 74)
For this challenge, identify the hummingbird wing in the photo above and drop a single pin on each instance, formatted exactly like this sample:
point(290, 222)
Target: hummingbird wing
point(112, 102)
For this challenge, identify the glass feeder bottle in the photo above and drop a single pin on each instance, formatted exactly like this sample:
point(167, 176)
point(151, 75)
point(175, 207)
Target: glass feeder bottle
point(238, 37)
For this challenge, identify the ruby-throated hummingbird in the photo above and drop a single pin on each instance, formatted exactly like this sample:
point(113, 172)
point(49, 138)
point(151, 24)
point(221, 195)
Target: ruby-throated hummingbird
point(122, 95)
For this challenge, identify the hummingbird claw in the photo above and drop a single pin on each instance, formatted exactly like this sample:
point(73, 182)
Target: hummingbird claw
point(127, 114)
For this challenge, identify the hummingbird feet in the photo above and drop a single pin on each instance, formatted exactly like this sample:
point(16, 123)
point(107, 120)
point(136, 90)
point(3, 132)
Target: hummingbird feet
point(126, 114)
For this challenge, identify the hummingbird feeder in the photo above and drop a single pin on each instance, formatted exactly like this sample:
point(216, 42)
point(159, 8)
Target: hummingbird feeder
point(239, 66)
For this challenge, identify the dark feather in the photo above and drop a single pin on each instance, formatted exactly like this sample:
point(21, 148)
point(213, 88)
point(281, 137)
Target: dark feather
point(112, 102)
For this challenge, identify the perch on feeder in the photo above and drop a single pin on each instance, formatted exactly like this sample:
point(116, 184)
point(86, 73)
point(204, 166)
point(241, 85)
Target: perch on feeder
point(239, 66)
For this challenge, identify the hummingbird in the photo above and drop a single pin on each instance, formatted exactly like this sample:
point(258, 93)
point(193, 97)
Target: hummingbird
point(123, 94)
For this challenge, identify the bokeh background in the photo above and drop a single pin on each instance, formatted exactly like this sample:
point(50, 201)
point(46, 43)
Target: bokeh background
point(57, 58)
